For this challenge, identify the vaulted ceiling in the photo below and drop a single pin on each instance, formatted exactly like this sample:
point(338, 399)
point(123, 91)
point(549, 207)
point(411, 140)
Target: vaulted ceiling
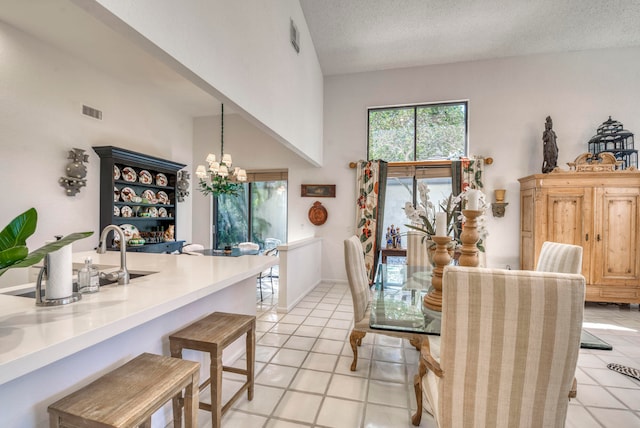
point(363, 35)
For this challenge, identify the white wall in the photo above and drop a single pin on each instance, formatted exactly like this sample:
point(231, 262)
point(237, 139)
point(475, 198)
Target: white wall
point(41, 94)
point(242, 50)
point(508, 102)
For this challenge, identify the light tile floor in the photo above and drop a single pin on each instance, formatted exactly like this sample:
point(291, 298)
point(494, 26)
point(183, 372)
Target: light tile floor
point(303, 377)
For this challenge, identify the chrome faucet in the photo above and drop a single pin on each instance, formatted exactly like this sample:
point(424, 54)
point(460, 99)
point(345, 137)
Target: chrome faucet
point(121, 275)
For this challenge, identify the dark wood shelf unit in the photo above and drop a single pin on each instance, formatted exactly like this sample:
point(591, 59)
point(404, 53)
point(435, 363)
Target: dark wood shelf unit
point(110, 156)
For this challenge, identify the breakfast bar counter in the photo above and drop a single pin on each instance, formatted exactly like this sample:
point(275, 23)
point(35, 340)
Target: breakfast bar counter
point(46, 352)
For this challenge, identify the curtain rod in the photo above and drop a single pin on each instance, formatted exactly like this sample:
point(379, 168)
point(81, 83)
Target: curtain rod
point(487, 161)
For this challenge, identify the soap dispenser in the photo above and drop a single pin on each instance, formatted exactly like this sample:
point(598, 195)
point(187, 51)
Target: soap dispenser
point(88, 279)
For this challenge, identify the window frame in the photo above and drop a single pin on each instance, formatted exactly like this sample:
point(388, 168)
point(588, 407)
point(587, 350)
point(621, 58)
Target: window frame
point(253, 176)
point(418, 169)
point(415, 108)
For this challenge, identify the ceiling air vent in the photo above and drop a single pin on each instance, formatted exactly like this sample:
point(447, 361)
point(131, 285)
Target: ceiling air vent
point(92, 112)
point(295, 36)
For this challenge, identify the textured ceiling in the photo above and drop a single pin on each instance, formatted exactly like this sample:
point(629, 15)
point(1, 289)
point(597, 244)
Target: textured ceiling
point(363, 35)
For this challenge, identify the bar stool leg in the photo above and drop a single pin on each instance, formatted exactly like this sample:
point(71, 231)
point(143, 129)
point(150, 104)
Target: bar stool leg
point(191, 402)
point(176, 352)
point(216, 388)
point(251, 356)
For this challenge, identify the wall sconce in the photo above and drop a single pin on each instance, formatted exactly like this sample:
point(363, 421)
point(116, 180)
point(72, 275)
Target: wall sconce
point(182, 185)
point(76, 172)
point(498, 207)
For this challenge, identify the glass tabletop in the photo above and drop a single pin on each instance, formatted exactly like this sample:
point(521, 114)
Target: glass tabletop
point(397, 300)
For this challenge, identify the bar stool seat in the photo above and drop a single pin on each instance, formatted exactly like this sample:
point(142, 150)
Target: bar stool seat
point(212, 334)
point(130, 394)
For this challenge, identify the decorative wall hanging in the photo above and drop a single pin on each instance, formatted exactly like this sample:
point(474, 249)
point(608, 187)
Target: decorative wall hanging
point(498, 207)
point(76, 172)
point(318, 214)
point(318, 190)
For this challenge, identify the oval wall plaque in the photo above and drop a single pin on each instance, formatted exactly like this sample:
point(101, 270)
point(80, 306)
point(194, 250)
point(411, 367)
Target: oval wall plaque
point(317, 214)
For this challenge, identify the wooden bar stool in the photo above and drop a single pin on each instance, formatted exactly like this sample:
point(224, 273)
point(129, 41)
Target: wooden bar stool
point(130, 394)
point(212, 334)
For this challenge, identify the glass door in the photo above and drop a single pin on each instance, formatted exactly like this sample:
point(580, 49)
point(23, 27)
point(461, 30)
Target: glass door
point(259, 211)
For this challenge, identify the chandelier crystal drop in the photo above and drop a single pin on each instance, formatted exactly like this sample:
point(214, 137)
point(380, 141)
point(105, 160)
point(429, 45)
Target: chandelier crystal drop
point(219, 177)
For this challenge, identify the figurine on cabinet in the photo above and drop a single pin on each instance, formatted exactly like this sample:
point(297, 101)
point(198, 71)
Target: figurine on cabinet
point(168, 234)
point(550, 147)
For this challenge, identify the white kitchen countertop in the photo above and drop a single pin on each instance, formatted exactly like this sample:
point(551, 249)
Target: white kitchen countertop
point(32, 337)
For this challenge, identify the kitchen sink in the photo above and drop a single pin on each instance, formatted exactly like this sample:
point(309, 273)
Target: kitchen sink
point(103, 281)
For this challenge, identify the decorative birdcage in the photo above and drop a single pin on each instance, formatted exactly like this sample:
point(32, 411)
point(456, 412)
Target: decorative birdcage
point(612, 138)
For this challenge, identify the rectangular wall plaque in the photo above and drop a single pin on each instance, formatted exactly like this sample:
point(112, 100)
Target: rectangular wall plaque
point(319, 190)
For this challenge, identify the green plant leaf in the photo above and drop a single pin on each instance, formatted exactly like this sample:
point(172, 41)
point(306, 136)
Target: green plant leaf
point(18, 230)
point(10, 256)
point(37, 255)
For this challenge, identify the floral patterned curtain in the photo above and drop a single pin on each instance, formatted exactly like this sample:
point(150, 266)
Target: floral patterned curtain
point(467, 173)
point(371, 182)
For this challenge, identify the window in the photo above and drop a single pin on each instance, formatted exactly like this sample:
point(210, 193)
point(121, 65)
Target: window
point(418, 142)
point(418, 133)
point(258, 211)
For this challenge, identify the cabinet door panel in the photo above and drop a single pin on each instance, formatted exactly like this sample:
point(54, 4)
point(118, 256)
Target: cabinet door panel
point(565, 219)
point(527, 229)
point(616, 246)
point(569, 219)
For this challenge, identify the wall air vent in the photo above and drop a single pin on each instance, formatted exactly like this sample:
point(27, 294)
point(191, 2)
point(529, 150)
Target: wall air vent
point(92, 112)
point(295, 36)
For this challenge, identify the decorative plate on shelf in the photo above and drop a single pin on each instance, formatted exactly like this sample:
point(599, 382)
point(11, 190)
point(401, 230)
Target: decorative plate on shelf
point(126, 211)
point(129, 174)
point(130, 231)
point(116, 194)
point(163, 198)
point(150, 196)
point(136, 242)
point(116, 172)
point(127, 194)
point(153, 212)
point(116, 211)
point(145, 177)
point(162, 212)
point(161, 180)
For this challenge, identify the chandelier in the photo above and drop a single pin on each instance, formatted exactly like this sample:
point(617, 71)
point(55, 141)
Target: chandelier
point(220, 177)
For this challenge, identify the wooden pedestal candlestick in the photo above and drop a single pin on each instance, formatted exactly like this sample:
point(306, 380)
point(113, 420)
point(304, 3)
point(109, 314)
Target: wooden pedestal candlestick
point(469, 238)
point(441, 258)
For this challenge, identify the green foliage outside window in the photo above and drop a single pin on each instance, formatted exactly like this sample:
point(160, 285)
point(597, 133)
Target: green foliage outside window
point(428, 132)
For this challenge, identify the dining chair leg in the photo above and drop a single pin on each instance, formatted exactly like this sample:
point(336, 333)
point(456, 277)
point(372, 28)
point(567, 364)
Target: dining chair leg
point(355, 339)
point(416, 341)
point(417, 387)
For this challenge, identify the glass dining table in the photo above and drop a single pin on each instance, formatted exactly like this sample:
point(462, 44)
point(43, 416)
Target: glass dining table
point(397, 304)
point(397, 300)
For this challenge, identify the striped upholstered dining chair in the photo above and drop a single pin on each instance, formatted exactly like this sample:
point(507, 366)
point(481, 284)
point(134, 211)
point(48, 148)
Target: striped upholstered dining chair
point(508, 349)
point(561, 258)
point(361, 298)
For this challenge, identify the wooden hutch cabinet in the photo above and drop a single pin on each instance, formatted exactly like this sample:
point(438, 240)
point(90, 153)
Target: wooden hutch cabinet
point(150, 202)
point(599, 211)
